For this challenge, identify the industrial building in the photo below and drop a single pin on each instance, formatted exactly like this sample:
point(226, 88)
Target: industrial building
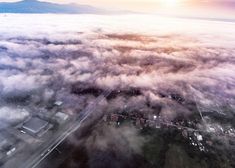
point(61, 117)
point(35, 125)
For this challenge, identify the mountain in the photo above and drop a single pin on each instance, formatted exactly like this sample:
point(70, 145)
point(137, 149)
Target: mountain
point(35, 6)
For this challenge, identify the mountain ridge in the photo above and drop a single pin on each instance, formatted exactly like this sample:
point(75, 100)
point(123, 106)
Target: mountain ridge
point(35, 6)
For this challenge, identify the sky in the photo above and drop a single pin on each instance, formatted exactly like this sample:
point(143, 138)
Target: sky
point(196, 8)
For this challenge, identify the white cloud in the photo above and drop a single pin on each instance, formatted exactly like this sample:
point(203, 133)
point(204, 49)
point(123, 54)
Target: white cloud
point(162, 56)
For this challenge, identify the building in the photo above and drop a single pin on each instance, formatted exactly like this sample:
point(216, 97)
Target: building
point(35, 125)
point(61, 117)
point(58, 103)
point(8, 145)
point(114, 117)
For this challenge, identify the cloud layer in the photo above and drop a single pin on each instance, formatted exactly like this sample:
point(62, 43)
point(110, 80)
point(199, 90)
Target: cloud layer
point(168, 67)
point(158, 60)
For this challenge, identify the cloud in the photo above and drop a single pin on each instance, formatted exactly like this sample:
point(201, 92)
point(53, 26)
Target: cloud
point(173, 69)
point(106, 145)
point(11, 115)
point(114, 60)
point(117, 59)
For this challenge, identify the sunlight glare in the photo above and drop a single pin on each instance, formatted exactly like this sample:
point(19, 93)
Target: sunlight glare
point(170, 3)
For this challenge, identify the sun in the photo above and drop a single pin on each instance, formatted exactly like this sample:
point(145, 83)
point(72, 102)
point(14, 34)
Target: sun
point(170, 3)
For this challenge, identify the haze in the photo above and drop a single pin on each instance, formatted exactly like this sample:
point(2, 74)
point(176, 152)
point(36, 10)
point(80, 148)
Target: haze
point(208, 8)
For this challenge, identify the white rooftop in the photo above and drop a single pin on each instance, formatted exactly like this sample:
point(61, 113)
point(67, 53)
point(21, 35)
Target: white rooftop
point(62, 116)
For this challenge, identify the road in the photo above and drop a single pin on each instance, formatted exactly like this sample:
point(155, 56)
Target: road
point(46, 148)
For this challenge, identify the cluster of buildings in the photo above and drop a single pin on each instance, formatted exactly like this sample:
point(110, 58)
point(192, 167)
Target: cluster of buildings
point(32, 131)
point(140, 120)
point(187, 129)
point(198, 139)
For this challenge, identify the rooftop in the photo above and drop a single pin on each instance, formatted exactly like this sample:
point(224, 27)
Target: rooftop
point(35, 125)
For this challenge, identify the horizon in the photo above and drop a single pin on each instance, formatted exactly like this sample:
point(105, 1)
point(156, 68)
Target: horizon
point(188, 8)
